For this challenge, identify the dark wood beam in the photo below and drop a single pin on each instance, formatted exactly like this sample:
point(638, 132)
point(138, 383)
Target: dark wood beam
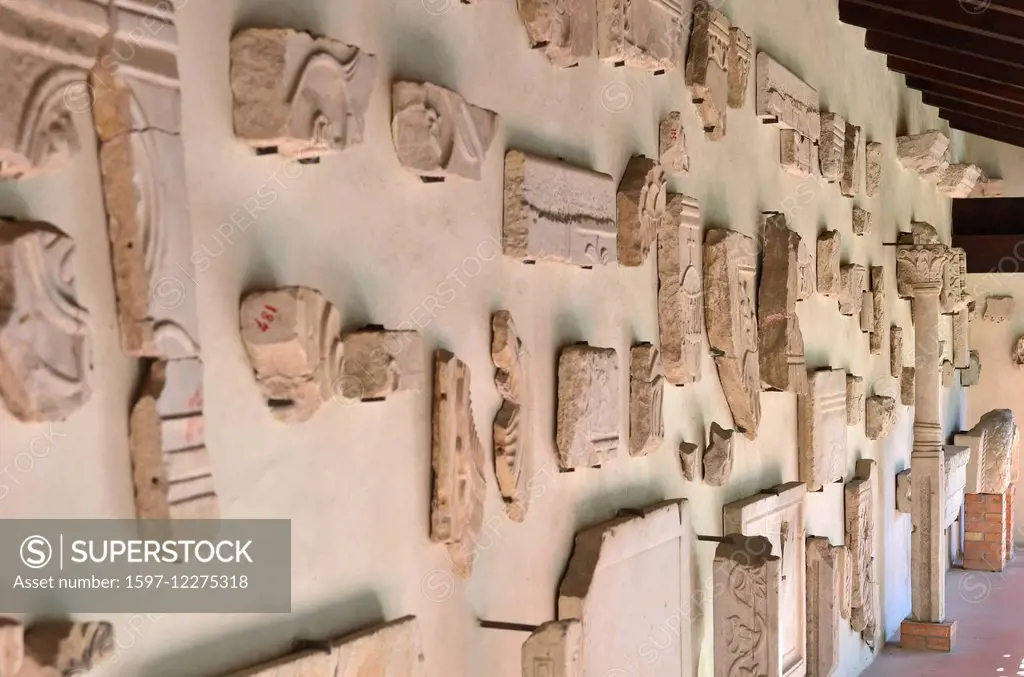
point(961, 80)
point(992, 216)
point(960, 40)
point(991, 253)
point(950, 93)
point(974, 110)
point(956, 14)
point(1013, 137)
point(952, 117)
point(942, 57)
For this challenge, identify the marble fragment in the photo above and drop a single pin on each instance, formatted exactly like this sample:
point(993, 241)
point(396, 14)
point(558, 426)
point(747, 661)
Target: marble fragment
point(879, 416)
point(907, 380)
point(786, 100)
point(554, 649)
point(12, 647)
point(718, 456)
point(972, 374)
point(781, 343)
point(998, 308)
point(961, 339)
point(587, 425)
point(872, 168)
point(646, 394)
point(959, 180)
point(640, 208)
point(828, 266)
point(880, 310)
point(954, 296)
point(920, 152)
point(832, 146)
point(861, 221)
point(646, 34)
point(1017, 353)
point(867, 313)
point(706, 72)
point(565, 30)
point(852, 284)
point(513, 424)
point(904, 498)
point(795, 153)
point(994, 446)
point(680, 290)
point(738, 65)
point(299, 95)
point(377, 364)
point(853, 162)
point(821, 425)
point(66, 648)
point(896, 352)
point(824, 587)
point(947, 374)
point(672, 145)
point(986, 187)
point(806, 273)
point(457, 460)
point(690, 459)
point(558, 212)
point(854, 399)
point(860, 543)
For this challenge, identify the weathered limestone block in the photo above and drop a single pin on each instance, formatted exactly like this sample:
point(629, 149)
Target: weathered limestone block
point(640, 208)
point(377, 364)
point(738, 64)
point(896, 352)
point(903, 492)
point(587, 423)
point(747, 582)
point(718, 456)
point(972, 374)
point(786, 100)
point(861, 221)
point(921, 152)
point(292, 336)
point(680, 290)
point(867, 313)
point(1017, 353)
point(860, 542)
point(730, 274)
point(933, 175)
point(690, 459)
point(513, 424)
point(565, 30)
point(959, 180)
point(66, 648)
point(986, 187)
point(998, 308)
point(961, 331)
point(805, 272)
point(554, 649)
point(555, 211)
point(645, 34)
point(956, 459)
point(12, 647)
point(646, 394)
point(879, 417)
point(954, 296)
point(45, 351)
point(880, 310)
point(391, 648)
point(832, 146)
point(994, 443)
point(907, 386)
point(828, 267)
point(170, 464)
point(672, 145)
point(854, 400)
point(706, 67)
point(947, 374)
point(299, 95)
point(795, 151)
point(457, 459)
point(872, 168)
point(781, 345)
point(824, 588)
point(852, 284)
point(610, 570)
point(821, 422)
point(437, 133)
point(846, 576)
point(853, 162)
point(779, 514)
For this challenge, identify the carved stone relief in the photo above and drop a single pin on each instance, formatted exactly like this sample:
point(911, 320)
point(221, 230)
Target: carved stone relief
point(645, 34)
point(873, 168)
point(828, 267)
point(513, 424)
point(437, 133)
point(555, 649)
point(903, 492)
point(747, 581)
point(587, 425)
point(640, 207)
point(555, 211)
point(646, 394)
point(861, 221)
point(738, 64)
point(988, 187)
point(690, 459)
point(994, 444)
point(907, 379)
point(795, 153)
point(565, 29)
point(730, 274)
point(854, 400)
point(832, 146)
point(971, 376)
point(822, 421)
point(853, 162)
point(299, 95)
point(852, 283)
point(860, 542)
point(958, 180)
point(961, 331)
point(672, 145)
point(879, 308)
point(867, 312)
point(610, 570)
point(955, 478)
point(824, 588)
point(680, 291)
point(786, 100)
point(806, 273)
point(457, 503)
point(781, 349)
point(998, 308)
point(377, 364)
point(896, 352)
point(921, 152)
point(879, 416)
point(706, 67)
point(954, 296)
point(45, 340)
point(718, 456)
point(947, 374)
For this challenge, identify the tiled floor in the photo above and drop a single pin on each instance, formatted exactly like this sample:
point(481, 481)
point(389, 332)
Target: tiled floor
point(989, 610)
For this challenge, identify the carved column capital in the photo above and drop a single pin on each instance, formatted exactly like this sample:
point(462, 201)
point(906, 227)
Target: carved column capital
point(921, 266)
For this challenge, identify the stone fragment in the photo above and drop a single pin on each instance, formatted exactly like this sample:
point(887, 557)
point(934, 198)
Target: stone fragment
point(738, 64)
point(392, 648)
point(747, 582)
point(45, 352)
point(805, 272)
point(954, 296)
point(959, 180)
point(437, 133)
point(587, 426)
point(867, 313)
point(611, 569)
point(292, 336)
point(986, 187)
point(832, 146)
point(730, 274)
point(718, 456)
point(645, 34)
point(795, 153)
point(672, 145)
point(998, 308)
point(846, 577)
point(66, 648)
point(690, 458)
point(880, 310)
point(828, 267)
point(947, 374)
point(566, 31)
point(993, 445)
point(706, 67)
point(786, 100)
point(821, 424)
point(854, 400)
point(860, 542)
point(12, 647)
point(554, 649)
point(1017, 354)
point(853, 162)
point(903, 489)
point(555, 211)
point(879, 417)
point(513, 424)
point(961, 339)
point(896, 352)
point(921, 152)
point(170, 464)
point(457, 459)
point(824, 588)
point(680, 290)
point(299, 95)
point(781, 347)
point(853, 282)
point(907, 380)
point(646, 394)
point(778, 514)
point(873, 168)
point(861, 221)
point(377, 364)
point(640, 207)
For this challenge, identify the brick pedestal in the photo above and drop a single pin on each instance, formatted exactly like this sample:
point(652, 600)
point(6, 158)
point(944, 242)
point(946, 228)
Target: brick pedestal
point(1008, 520)
point(985, 532)
point(927, 636)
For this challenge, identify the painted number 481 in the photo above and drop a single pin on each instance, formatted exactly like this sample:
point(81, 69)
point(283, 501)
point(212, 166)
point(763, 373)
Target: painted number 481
point(266, 318)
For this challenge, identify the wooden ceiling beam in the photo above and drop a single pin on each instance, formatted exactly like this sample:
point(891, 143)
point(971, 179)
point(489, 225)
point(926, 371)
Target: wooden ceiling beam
point(942, 57)
point(961, 80)
point(988, 130)
point(991, 253)
point(974, 110)
point(951, 92)
point(956, 14)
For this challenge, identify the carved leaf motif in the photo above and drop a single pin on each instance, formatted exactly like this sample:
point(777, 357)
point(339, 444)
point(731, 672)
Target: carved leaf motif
point(919, 265)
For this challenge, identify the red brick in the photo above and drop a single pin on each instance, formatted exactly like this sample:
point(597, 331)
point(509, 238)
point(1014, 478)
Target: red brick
point(915, 629)
point(977, 564)
point(996, 537)
point(911, 642)
point(974, 536)
point(939, 644)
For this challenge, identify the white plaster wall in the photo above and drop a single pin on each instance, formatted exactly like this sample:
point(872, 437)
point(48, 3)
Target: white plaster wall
point(388, 249)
